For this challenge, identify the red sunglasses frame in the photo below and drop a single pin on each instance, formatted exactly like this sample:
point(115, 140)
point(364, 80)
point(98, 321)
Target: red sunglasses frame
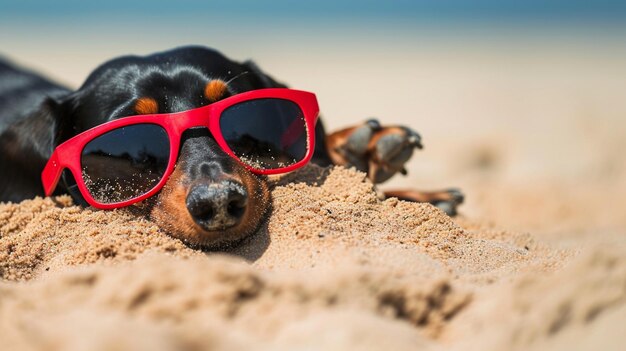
point(68, 154)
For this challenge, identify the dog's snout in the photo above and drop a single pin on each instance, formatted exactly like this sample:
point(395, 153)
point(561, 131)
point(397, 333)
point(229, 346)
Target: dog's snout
point(217, 206)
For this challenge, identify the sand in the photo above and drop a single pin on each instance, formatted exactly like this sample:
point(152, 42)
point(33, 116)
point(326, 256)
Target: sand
point(333, 268)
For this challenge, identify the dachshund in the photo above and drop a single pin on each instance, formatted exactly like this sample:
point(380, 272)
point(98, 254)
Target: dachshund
point(37, 115)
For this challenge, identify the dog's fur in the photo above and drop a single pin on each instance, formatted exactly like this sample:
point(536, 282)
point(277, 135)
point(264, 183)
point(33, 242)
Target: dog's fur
point(36, 115)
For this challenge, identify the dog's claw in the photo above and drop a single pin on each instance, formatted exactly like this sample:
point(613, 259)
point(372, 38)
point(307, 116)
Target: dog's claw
point(447, 207)
point(374, 124)
point(415, 139)
point(416, 142)
point(453, 198)
point(456, 196)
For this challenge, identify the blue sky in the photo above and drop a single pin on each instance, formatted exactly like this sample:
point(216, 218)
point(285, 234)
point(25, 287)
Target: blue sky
point(343, 21)
point(325, 9)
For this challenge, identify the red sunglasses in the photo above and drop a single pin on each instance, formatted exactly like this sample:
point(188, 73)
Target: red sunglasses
point(124, 161)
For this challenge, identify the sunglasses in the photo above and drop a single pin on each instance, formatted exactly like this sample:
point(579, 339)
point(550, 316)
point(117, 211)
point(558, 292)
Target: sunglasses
point(124, 161)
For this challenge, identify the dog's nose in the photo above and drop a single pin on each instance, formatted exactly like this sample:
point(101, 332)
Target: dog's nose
point(217, 206)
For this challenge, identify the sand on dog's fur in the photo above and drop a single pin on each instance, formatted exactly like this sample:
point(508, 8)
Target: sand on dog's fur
point(334, 267)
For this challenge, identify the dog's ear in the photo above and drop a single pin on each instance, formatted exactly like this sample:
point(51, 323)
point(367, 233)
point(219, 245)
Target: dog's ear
point(26, 146)
point(36, 135)
point(266, 80)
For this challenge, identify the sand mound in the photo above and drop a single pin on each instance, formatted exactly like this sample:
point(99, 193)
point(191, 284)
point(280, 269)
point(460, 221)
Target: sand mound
point(320, 218)
point(43, 234)
point(334, 267)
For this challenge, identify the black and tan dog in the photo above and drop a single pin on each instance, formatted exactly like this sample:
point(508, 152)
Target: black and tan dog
point(36, 115)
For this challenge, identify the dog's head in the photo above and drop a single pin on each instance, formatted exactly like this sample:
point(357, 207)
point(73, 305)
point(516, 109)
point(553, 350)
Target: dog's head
point(210, 199)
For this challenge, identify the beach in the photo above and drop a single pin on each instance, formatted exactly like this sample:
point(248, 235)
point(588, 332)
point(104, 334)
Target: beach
point(334, 267)
point(532, 131)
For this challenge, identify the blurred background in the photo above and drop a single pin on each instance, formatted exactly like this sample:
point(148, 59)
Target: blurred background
point(522, 104)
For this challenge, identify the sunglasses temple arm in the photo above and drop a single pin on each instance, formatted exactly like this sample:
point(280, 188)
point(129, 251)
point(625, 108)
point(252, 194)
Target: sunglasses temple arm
point(51, 174)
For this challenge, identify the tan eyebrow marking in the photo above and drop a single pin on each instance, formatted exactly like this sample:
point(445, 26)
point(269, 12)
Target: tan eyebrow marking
point(215, 90)
point(146, 106)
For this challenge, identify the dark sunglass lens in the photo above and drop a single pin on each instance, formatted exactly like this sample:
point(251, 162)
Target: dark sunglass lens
point(265, 133)
point(125, 163)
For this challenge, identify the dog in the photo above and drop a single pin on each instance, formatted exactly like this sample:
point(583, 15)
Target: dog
point(36, 115)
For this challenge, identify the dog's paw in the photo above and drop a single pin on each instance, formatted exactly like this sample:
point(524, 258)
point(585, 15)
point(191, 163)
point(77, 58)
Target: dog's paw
point(379, 151)
point(446, 200)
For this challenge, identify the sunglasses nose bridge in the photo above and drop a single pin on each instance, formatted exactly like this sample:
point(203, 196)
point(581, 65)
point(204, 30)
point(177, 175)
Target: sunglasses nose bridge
point(195, 121)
